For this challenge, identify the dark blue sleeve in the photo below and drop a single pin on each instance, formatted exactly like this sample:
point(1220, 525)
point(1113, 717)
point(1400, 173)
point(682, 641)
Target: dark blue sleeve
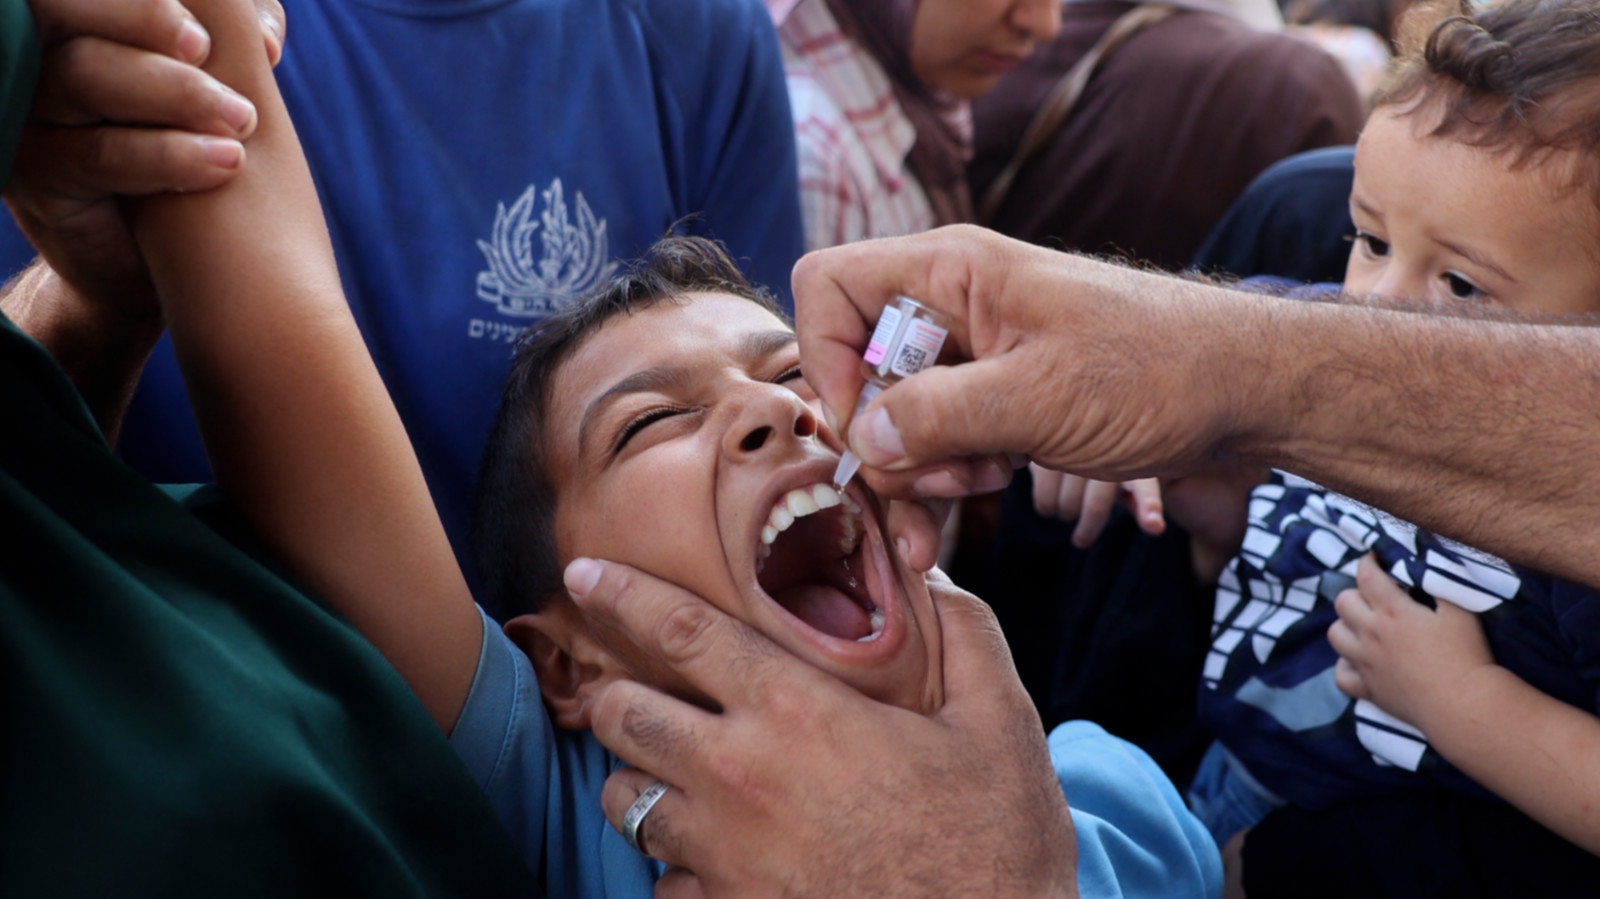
point(1577, 613)
point(15, 251)
point(723, 88)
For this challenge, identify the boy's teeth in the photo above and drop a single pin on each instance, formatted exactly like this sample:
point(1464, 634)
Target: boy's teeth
point(802, 502)
point(876, 618)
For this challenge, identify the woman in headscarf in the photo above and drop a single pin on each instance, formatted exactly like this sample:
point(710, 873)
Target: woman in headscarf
point(879, 92)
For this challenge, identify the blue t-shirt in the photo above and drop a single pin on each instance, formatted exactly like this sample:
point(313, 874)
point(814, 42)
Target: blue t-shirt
point(481, 162)
point(1135, 836)
point(1269, 694)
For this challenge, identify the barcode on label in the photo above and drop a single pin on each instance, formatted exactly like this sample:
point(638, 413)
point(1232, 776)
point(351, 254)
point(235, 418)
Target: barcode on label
point(919, 348)
point(911, 358)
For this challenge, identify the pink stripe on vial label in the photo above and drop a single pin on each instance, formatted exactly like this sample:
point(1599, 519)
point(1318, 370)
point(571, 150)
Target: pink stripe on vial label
point(878, 346)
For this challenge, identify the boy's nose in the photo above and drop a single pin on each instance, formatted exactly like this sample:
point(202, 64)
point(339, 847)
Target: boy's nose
point(772, 415)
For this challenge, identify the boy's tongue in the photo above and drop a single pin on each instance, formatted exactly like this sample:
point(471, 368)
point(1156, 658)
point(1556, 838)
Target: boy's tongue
point(826, 609)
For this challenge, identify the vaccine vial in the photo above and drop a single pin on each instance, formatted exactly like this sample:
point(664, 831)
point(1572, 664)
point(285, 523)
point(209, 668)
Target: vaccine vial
point(908, 339)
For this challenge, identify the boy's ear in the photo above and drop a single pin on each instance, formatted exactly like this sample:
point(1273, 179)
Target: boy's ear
point(570, 664)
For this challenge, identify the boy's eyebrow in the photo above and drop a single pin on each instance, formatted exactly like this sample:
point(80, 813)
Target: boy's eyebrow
point(658, 377)
point(762, 344)
point(1477, 259)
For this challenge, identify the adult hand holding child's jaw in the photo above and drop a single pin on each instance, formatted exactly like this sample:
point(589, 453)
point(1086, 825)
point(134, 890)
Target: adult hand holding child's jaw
point(803, 786)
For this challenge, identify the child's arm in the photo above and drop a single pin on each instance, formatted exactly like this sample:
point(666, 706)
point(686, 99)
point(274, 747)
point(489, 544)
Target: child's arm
point(297, 423)
point(1434, 670)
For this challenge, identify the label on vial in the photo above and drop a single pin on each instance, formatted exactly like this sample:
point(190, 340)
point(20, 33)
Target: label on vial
point(918, 349)
point(882, 336)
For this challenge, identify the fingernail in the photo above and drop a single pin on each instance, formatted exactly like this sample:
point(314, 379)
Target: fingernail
point(876, 440)
point(238, 112)
point(222, 153)
point(193, 41)
point(271, 24)
point(990, 477)
point(903, 547)
point(939, 485)
point(581, 576)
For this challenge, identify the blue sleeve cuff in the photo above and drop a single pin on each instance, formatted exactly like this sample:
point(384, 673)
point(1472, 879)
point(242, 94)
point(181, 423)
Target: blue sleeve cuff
point(1136, 838)
point(504, 736)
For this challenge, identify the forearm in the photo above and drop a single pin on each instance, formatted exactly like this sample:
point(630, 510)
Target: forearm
point(296, 420)
point(1482, 430)
point(102, 348)
point(1534, 751)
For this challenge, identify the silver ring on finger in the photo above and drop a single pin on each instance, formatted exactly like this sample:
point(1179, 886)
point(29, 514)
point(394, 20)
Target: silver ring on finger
point(635, 815)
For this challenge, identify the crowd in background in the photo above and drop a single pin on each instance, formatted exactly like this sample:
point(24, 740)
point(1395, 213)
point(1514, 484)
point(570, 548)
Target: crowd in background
point(489, 183)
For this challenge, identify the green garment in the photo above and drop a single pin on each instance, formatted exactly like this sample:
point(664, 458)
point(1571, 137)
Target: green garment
point(176, 719)
point(19, 72)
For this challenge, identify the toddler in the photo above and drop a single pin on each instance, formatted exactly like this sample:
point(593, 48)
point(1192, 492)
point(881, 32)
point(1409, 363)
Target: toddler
point(1477, 182)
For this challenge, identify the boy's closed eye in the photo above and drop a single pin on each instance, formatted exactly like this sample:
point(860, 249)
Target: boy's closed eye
point(791, 376)
point(643, 420)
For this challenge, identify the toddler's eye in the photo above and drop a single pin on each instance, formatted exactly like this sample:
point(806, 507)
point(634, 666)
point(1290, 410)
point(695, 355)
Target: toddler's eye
point(1461, 288)
point(789, 374)
point(1373, 244)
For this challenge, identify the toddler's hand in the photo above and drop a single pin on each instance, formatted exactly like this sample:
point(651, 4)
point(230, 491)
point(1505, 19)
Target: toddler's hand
point(1071, 498)
point(1399, 654)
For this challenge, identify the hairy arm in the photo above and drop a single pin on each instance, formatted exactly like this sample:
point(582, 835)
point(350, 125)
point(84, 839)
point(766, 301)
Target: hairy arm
point(1481, 428)
point(296, 420)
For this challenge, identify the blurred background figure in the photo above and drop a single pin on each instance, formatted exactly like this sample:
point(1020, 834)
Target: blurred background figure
point(879, 91)
point(1359, 33)
point(1182, 107)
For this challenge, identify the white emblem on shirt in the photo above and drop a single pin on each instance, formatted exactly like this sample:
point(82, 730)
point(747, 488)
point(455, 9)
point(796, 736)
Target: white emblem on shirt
point(575, 255)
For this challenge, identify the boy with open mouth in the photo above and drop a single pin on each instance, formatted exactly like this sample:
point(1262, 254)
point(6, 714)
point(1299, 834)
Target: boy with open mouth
point(661, 422)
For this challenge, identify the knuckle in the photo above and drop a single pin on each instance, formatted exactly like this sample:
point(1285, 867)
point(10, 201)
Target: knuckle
point(79, 60)
point(198, 95)
point(153, 20)
point(106, 152)
point(687, 633)
point(608, 711)
point(663, 737)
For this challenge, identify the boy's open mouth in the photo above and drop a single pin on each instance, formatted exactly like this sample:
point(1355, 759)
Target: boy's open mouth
point(812, 563)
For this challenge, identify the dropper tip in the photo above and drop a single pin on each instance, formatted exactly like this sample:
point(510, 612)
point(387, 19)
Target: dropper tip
point(848, 466)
